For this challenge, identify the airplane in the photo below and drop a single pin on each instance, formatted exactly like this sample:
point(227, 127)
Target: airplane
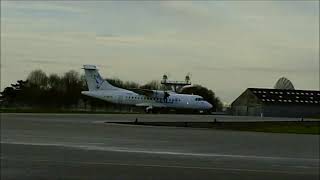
point(151, 100)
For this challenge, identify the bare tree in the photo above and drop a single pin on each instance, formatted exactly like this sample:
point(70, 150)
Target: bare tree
point(152, 85)
point(38, 78)
point(54, 82)
point(73, 86)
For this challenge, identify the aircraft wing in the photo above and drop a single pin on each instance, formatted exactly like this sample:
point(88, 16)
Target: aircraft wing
point(145, 92)
point(156, 105)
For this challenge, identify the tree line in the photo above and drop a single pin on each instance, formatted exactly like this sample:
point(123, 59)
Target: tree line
point(64, 91)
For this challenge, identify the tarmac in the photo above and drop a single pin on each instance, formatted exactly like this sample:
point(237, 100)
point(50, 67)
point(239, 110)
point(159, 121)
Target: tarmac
point(82, 146)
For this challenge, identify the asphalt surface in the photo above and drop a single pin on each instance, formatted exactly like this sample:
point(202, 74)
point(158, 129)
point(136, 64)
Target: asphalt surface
point(52, 146)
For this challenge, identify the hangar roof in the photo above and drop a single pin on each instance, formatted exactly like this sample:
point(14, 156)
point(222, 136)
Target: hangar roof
point(281, 96)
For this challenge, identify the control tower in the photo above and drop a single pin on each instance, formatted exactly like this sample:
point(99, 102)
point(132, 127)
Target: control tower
point(176, 85)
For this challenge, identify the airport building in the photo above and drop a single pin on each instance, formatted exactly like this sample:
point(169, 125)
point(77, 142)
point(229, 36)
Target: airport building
point(277, 103)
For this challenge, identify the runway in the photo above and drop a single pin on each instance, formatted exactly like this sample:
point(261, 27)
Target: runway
point(85, 118)
point(52, 146)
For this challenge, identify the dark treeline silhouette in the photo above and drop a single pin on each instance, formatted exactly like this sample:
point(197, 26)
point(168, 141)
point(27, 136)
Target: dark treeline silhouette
point(40, 90)
point(64, 91)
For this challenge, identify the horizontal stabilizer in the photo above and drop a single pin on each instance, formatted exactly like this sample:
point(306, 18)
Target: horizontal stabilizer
point(90, 67)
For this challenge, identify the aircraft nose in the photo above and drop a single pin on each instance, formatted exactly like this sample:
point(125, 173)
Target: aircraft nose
point(209, 106)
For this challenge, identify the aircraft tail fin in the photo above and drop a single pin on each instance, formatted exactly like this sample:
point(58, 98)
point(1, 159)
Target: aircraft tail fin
point(94, 80)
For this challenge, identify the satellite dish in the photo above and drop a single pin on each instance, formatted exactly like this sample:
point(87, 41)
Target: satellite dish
point(284, 83)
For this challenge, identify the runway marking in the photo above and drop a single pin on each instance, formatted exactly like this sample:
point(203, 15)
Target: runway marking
point(135, 150)
point(163, 166)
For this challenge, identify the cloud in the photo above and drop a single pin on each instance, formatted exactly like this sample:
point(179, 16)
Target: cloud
point(56, 62)
point(120, 39)
point(45, 62)
point(258, 69)
point(47, 6)
point(189, 8)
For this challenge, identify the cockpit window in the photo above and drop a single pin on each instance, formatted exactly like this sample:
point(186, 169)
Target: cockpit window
point(199, 99)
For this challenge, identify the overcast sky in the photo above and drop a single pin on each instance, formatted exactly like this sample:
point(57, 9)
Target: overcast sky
point(228, 46)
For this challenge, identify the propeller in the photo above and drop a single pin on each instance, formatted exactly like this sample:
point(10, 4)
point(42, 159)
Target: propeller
point(165, 96)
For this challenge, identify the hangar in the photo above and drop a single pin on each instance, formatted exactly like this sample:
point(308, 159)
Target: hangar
point(277, 103)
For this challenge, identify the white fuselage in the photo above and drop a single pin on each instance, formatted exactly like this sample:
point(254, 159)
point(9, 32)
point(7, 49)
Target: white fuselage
point(175, 101)
point(150, 99)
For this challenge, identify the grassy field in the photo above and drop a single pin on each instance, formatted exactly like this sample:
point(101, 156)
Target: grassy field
point(316, 117)
point(306, 127)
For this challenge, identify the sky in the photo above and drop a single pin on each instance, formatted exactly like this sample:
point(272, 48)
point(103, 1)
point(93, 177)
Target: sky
point(227, 46)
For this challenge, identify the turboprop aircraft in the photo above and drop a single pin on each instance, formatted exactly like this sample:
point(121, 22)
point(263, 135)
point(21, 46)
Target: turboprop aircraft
point(151, 100)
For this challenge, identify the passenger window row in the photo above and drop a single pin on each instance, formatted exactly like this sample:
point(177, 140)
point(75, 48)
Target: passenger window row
point(155, 99)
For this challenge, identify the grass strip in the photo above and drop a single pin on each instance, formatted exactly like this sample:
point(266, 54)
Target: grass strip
point(295, 127)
